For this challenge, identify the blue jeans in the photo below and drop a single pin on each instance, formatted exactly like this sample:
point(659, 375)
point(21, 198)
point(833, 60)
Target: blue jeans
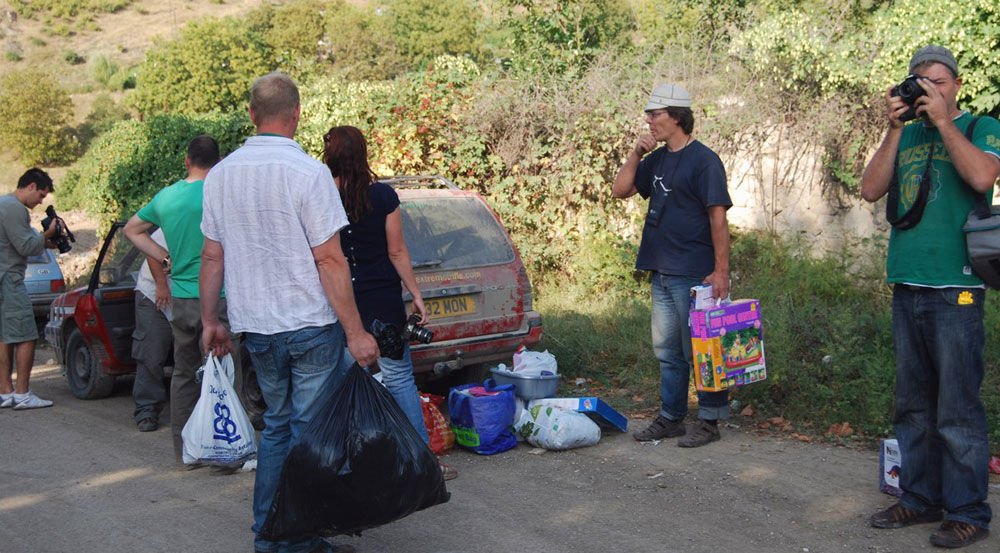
point(672, 347)
point(397, 376)
point(940, 421)
point(293, 368)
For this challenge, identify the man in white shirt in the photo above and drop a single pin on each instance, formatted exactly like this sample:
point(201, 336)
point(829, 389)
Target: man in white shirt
point(271, 220)
point(152, 340)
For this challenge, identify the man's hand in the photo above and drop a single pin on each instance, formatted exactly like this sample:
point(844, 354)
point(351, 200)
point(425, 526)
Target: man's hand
point(364, 349)
point(215, 338)
point(720, 284)
point(162, 297)
point(932, 105)
point(418, 308)
point(644, 145)
point(895, 107)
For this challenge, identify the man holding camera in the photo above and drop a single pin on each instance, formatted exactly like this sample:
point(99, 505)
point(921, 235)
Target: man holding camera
point(932, 173)
point(685, 242)
point(18, 332)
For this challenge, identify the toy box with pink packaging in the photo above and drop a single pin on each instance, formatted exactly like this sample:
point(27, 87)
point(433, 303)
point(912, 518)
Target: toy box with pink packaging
point(727, 343)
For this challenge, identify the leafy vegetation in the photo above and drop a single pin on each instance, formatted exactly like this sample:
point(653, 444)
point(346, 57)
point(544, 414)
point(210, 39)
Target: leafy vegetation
point(536, 103)
point(36, 113)
point(66, 9)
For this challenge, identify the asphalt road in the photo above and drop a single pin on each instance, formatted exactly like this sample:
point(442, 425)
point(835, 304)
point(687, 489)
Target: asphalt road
point(78, 478)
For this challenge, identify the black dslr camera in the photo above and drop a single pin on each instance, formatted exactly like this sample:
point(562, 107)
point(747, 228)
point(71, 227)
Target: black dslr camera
point(908, 91)
point(390, 340)
point(63, 235)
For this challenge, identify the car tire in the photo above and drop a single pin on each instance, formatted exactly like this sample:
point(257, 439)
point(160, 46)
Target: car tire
point(248, 390)
point(84, 375)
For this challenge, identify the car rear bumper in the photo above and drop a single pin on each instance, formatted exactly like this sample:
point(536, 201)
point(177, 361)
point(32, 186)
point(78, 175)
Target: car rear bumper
point(53, 335)
point(443, 357)
point(40, 303)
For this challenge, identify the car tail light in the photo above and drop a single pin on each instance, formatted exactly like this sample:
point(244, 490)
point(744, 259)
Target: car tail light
point(57, 285)
point(523, 277)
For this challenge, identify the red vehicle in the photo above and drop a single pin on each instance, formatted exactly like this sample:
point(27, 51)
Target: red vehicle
point(474, 285)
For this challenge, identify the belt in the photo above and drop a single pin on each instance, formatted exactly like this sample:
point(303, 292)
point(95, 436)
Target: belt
point(912, 288)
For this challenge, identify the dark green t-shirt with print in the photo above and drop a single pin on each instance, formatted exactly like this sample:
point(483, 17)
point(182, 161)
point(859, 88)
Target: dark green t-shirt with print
point(933, 253)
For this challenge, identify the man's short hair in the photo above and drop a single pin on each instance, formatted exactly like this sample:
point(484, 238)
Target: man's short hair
point(203, 152)
point(684, 118)
point(273, 95)
point(35, 175)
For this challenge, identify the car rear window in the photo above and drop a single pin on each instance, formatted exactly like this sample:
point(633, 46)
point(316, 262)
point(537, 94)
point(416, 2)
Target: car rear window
point(38, 259)
point(450, 233)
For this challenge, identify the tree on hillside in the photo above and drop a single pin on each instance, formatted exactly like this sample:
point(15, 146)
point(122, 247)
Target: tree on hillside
point(555, 35)
point(35, 112)
point(209, 67)
point(425, 29)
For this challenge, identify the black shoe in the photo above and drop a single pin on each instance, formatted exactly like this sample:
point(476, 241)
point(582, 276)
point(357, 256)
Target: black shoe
point(954, 534)
point(660, 428)
point(898, 516)
point(148, 425)
point(703, 433)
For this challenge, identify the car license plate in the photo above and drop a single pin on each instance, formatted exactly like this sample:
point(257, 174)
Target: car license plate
point(440, 308)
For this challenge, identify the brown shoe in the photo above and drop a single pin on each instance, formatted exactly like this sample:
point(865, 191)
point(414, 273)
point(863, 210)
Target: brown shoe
point(660, 428)
point(954, 534)
point(449, 473)
point(702, 433)
point(898, 516)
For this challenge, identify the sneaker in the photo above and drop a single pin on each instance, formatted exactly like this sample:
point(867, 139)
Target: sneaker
point(898, 516)
point(148, 424)
point(30, 401)
point(660, 428)
point(6, 400)
point(702, 433)
point(954, 534)
point(449, 473)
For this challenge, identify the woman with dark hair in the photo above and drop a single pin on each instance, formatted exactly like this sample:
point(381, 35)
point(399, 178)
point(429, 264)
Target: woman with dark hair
point(379, 260)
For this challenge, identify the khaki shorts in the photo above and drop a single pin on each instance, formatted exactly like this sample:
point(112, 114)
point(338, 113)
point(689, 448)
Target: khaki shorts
point(17, 319)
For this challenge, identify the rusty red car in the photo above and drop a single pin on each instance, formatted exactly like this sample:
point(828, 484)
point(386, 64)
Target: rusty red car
point(475, 288)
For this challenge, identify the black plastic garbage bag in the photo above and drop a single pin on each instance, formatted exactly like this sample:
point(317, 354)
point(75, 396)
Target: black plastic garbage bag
point(358, 465)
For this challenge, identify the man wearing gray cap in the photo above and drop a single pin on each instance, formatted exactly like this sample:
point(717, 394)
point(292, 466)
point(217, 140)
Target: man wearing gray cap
point(685, 242)
point(932, 174)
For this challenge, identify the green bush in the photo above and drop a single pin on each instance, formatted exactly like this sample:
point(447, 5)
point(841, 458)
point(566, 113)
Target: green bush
point(209, 67)
point(425, 29)
point(73, 58)
point(127, 165)
point(361, 45)
point(36, 113)
point(66, 9)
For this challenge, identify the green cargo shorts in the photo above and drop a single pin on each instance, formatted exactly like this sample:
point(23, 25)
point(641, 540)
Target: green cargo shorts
point(17, 320)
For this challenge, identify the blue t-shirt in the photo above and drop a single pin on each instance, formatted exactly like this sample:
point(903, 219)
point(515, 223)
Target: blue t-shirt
point(377, 287)
point(680, 186)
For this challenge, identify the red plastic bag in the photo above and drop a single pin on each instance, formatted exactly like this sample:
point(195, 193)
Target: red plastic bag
point(441, 437)
point(994, 464)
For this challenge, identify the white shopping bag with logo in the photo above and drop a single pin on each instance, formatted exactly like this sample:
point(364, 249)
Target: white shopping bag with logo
point(219, 431)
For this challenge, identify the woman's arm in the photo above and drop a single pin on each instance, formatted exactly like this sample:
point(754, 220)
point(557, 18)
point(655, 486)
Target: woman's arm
point(400, 258)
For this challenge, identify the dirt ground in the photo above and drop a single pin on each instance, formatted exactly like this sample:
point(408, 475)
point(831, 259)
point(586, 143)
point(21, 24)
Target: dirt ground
point(79, 477)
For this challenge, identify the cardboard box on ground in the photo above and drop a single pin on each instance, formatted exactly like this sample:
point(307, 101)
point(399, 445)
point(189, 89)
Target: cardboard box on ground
point(727, 341)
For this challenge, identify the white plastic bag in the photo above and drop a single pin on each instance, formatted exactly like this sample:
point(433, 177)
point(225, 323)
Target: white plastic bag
point(552, 427)
point(535, 363)
point(219, 431)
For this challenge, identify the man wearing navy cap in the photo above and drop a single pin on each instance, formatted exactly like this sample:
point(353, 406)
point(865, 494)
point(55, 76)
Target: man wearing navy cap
point(685, 242)
point(932, 174)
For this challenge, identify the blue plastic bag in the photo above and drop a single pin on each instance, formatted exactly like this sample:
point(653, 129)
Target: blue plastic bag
point(482, 417)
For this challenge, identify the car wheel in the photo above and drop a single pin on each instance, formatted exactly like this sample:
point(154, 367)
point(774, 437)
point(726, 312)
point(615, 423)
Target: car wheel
point(83, 372)
point(249, 392)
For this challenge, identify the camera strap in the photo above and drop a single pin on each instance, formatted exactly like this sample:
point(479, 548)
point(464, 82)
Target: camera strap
point(916, 212)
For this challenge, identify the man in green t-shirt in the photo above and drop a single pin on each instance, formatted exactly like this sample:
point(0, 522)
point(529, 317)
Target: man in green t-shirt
point(937, 303)
point(177, 211)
